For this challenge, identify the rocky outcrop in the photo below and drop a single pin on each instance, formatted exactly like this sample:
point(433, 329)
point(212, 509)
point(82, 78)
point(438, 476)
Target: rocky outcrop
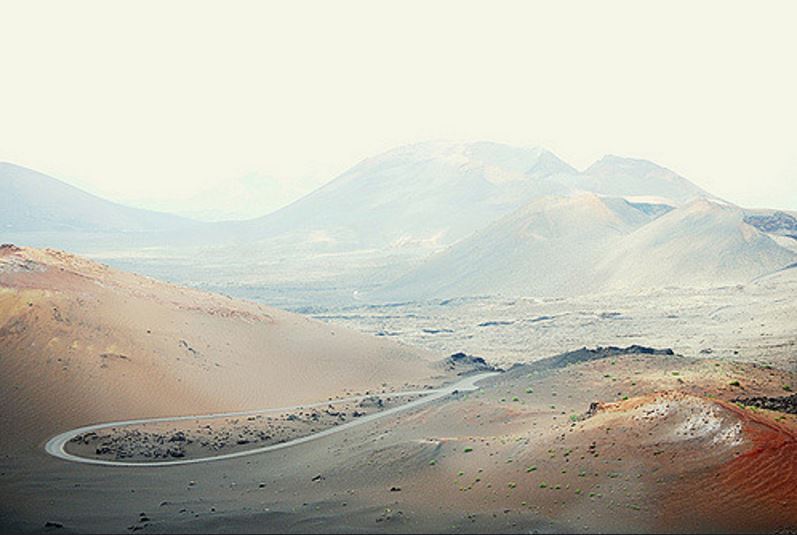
point(463, 363)
point(786, 404)
point(776, 223)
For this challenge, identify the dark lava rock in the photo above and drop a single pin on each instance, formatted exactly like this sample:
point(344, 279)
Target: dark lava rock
point(787, 404)
point(372, 402)
point(175, 452)
point(493, 324)
point(639, 349)
point(779, 222)
point(179, 436)
point(585, 355)
point(468, 363)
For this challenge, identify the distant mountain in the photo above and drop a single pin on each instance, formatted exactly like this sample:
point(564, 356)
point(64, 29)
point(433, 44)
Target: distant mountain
point(414, 199)
point(426, 195)
point(437, 219)
point(544, 248)
point(641, 179)
point(431, 195)
point(585, 243)
point(34, 202)
point(704, 243)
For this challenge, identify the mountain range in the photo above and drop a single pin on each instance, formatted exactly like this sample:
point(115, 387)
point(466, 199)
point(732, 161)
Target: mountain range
point(474, 218)
point(587, 243)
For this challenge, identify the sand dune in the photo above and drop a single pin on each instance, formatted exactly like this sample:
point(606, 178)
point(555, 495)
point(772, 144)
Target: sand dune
point(83, 343)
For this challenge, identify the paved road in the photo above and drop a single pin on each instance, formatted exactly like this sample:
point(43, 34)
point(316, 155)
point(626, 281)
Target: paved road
point(56, 445)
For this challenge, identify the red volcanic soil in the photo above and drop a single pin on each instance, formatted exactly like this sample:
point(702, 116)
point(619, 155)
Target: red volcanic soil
point(755, 491)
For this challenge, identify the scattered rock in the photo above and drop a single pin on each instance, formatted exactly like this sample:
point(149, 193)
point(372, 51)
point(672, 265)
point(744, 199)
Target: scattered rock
point(787, 404)
point(179, 436)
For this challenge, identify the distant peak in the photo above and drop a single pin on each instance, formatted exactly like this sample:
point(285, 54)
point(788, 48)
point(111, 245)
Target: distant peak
point(622, 162)
point(520, 159)
point(708, 204)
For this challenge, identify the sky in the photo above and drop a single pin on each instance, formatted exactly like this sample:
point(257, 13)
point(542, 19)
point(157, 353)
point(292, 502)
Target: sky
point(152, 102)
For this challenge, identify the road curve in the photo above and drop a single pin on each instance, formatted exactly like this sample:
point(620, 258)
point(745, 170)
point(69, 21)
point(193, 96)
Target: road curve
point(57, 444)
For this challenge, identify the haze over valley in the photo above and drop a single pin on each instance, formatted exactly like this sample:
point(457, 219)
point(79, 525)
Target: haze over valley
point(434, 252)
point(434, 219)
point(370, 267)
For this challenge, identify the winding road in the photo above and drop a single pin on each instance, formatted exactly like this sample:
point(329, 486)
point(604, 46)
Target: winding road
point(56, 446)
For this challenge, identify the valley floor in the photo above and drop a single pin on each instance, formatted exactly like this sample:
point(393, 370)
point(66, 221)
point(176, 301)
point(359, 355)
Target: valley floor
point(752, 323)
point(698, 439)
point(592, 441)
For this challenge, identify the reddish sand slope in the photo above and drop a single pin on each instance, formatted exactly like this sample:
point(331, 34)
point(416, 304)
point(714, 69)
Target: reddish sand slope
point(758, 487)
point(81, 343)
point(671, 454)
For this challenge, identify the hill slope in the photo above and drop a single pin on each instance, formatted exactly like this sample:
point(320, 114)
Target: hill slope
point(80, 342)
point(543, 248)
point(703, 243)
point(630, 177)
point(427, 195)
point(33, 201)
point(584, 243)
point(418, 197)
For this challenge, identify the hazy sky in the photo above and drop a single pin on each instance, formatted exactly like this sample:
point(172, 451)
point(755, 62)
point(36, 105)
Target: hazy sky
point(142, 100)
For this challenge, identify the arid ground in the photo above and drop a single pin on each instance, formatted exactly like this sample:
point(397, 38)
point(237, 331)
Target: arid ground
point(606, 439)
